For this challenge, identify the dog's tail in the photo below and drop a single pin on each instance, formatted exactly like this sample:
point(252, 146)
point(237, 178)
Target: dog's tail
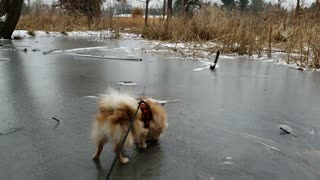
point(115, 100)
point(115, 112)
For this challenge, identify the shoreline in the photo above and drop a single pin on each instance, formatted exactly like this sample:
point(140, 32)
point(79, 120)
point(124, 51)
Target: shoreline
point(202, 51)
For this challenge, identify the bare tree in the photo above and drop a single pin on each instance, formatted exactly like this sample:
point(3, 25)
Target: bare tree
point(185, 6)
point(164, 8)
point(169, 12)
point(298, 7)
point(280, 2)
point(9, 16)
point(146, 14)
point(90, 8)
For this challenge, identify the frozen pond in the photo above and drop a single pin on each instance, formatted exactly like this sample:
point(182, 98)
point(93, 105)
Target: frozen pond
point(225, 126)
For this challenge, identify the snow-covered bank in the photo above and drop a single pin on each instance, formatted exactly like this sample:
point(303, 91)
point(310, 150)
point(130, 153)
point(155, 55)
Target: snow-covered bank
point(95, 34)
point(204, 52)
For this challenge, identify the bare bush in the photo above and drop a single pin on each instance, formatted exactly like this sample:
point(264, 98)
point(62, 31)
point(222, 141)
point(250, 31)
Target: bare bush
point(137, 12)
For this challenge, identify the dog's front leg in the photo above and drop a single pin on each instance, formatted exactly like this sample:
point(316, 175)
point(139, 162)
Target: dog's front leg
point(143, 139)
point(121, 158)
point(142, 144)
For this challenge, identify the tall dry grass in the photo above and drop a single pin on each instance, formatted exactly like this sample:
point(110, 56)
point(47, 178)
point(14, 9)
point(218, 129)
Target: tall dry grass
point(64, 23)
point(262, 34)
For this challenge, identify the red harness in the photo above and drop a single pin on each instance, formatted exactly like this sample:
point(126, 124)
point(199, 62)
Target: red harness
point(146, 114)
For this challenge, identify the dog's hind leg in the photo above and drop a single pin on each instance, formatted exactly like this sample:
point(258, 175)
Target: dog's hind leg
point(99, 150)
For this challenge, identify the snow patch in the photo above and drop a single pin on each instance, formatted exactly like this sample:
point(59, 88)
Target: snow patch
point(3, 18)
point(96, 34)
point(130, 15)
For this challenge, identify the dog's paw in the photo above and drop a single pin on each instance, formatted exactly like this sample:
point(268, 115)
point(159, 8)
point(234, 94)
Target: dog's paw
point(95, 157)
point(143, 146)
point(124, 160)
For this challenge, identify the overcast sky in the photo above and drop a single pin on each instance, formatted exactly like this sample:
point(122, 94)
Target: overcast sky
point(289, 3)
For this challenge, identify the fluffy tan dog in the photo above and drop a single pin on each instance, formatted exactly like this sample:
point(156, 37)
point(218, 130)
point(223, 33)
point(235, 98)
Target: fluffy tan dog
point(116, 109)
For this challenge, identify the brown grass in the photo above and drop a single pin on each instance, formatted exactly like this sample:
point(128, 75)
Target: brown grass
point(65, 23)
point(261, 34)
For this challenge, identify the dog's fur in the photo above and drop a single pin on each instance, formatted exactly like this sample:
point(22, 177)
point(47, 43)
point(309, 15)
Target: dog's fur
point(115, 112)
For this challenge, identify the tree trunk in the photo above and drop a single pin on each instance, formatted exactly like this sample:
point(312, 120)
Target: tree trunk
point(9, 16)
point(169, 9)
point(29, 7)
point(164, 8)
point(298, 7)
point(280, 3)
point(185, 6)
point(89, 13)
point(146, 14)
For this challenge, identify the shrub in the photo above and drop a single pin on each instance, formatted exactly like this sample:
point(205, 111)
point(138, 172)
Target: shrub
point(137, 12)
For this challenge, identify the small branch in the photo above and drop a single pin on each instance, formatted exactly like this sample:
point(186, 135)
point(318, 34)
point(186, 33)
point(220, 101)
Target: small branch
point(58, 121)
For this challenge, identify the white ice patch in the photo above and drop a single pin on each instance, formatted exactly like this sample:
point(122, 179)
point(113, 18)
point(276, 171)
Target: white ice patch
point(251, 76)
point(228, 158)
point(201, 68)
point(227, 163)
point(164, 101)
point(311, 132)
point(129, 51)
point(91, 97)
point(258, 140)
point(85, 48)
point(4, 59)
point(3, 18)
point(206, 67)
point(127, 83)
point(77, 49)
